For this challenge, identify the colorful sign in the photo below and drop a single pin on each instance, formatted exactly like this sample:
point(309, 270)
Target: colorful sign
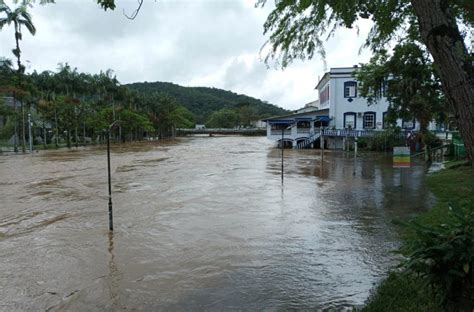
point(401, 157)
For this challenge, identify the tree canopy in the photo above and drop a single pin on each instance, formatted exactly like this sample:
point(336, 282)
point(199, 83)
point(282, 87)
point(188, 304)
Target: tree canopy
point(299, 28)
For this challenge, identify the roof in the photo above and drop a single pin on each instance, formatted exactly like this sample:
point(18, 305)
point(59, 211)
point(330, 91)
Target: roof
point(336, 71)
point(319, 112)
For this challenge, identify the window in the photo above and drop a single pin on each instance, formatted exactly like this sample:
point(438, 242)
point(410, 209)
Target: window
point(350, 89)
point(350, 120)
point(324, 95)
point(369, 120)
point(408, 124)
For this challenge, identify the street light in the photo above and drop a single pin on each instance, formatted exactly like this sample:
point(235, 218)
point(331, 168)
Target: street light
point(111, 221)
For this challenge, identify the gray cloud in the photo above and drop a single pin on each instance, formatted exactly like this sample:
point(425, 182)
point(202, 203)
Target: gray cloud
point(200, 42)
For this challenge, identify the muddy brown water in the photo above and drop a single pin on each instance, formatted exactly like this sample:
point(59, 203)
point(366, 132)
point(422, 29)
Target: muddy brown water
point(200, 224)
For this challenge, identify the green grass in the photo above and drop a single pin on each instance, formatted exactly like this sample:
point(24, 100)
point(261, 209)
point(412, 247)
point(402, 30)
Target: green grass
point(401, 292)
point(454, 184)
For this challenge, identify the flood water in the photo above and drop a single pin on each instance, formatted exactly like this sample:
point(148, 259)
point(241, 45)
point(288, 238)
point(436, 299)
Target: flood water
point(200, 224)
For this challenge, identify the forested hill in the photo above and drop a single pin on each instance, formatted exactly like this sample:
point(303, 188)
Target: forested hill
point(202, 101)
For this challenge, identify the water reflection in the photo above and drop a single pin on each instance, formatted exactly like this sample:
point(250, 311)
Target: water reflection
point(200, 223)
point(114, 275)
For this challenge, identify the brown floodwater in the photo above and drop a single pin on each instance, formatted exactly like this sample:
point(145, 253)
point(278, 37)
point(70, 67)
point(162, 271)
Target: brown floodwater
point(201, 223)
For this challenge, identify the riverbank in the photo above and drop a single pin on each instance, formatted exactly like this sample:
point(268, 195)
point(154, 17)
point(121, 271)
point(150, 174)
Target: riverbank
point(400, 292)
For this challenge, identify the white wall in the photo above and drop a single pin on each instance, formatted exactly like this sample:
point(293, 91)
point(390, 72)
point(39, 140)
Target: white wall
point(340, 105)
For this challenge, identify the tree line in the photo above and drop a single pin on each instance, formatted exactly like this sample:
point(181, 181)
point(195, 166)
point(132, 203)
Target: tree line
point(76, 106)
point(204, 102)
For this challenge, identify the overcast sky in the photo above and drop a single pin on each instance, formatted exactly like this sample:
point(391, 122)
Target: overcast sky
point(214, 43)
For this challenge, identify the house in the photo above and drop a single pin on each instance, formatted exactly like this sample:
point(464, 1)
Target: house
point(339, 113)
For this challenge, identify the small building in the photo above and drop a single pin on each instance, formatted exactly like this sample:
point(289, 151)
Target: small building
point(299, 130)
point(200, 127)
point(259, 124)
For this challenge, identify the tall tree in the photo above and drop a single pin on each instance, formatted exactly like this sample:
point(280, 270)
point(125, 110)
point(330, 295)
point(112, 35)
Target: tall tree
point(298, 28)
point(18, 17)
point(409, 82)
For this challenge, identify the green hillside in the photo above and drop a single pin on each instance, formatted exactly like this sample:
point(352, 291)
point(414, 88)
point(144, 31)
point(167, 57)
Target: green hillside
point(202, 101)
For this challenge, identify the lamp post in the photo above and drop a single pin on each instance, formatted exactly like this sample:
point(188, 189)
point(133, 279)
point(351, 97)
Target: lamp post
point(111, 221)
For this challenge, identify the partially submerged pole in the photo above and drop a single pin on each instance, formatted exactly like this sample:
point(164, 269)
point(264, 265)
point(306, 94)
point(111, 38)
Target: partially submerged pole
point(321, 143)
point(355, 156)
point(282, 147)
point(107, 132)
point(111, 222)
point(30, 136)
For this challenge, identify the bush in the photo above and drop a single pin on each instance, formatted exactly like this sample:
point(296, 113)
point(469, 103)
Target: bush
point(383, 141)
point(443, 256)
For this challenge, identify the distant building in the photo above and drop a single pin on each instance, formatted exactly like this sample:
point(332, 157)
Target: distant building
point(200, 127)
point(309, 107)
point(260, 124)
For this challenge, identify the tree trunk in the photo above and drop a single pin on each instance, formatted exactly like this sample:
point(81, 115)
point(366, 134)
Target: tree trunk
point(442, 37)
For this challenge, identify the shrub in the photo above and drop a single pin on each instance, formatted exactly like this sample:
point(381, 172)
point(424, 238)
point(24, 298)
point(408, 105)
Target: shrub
point(383, 141)
point(443, 255)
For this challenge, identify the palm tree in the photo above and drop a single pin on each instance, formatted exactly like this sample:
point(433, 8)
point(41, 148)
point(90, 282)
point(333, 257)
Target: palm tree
point(18, 17)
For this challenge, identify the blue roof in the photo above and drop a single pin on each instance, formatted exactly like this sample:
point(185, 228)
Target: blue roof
point(322, 118)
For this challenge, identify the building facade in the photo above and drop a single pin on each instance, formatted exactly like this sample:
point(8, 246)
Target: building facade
point(341, 113)
point(338, 92)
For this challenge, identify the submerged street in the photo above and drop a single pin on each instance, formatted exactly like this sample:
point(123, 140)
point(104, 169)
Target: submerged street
point(200, 223)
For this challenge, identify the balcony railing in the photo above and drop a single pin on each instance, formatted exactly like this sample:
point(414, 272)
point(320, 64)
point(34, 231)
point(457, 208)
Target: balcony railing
point(303, 130)
point(278, 132)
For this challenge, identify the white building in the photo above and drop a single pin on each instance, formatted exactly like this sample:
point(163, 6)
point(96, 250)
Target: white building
point(338, 91)
point(339, 113)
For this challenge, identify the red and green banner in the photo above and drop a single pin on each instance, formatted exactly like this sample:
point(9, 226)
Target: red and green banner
point(401, 157)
